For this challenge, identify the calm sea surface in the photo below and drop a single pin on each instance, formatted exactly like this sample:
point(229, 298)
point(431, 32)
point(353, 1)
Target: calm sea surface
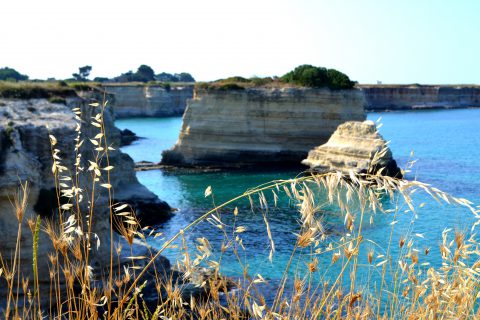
point(446, 144)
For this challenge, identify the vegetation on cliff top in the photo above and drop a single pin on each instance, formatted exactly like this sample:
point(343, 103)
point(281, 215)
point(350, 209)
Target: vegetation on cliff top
point(34, 90)
point(56, 91)
point(318, 77)
point(144, 74)
point(302, 76)
point(9, 74)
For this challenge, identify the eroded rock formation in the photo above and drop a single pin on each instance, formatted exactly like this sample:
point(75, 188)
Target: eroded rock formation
point(26, 155)
point(355, 146)
point(148, 101)
point(260, 126)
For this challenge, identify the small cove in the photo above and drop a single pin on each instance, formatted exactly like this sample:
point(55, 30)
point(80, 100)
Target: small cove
point(445, 142)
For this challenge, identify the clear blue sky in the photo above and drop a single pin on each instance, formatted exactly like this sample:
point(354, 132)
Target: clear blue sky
point(391, 41)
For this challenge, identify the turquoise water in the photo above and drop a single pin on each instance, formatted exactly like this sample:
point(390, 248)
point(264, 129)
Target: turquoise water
point(157, 134)
point(446, 144)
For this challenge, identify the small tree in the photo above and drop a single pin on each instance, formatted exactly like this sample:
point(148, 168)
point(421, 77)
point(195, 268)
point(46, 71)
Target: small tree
point(165, 77)
point(307, 75)
point(145, 73)
point(184, 77)
point(318, 77)
point(83, 73)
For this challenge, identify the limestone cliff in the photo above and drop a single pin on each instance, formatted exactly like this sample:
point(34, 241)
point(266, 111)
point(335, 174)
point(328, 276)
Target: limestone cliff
point(406, 97)
point(25, 155)
point(148, 101)
point(355, 146)
point(260, 125)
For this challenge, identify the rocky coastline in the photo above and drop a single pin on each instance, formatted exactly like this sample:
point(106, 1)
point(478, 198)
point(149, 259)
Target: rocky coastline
point(419, 97)
point(26, 156)
point(260, 126)
point(131, 101)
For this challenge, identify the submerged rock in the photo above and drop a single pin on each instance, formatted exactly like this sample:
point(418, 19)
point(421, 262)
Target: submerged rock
point(355, 146)
point(127, 136)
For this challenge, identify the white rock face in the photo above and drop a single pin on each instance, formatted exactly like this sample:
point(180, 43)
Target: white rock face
point(353, 147)
point(255, 126)
point(148, 101)
point(407, 97)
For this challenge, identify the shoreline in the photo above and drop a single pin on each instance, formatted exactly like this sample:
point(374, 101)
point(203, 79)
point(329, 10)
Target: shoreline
point(148, 166)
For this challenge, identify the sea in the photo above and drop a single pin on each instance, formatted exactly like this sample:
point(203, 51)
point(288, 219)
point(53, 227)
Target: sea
point(442, 145)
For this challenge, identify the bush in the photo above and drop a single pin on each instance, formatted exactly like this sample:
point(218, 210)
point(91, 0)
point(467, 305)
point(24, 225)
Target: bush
point(144, 74)
point(184, 77)
point(166, 77)
point(338, 80)
point(318, 77)
point(9, 74)
point(308, 76)
point(101, 79)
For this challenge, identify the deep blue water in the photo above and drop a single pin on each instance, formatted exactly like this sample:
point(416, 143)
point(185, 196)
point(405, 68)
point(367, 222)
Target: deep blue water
point(446, 144)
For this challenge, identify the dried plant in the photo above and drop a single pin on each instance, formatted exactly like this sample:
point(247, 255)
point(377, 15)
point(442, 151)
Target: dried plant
point(408, 286)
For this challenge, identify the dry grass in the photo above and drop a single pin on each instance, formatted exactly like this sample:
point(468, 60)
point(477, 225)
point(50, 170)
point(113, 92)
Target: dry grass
point(409, 288)
point(34, 90)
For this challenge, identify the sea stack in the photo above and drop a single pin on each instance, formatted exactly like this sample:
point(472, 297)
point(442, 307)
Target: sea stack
point(260, 126)
point(355, 146)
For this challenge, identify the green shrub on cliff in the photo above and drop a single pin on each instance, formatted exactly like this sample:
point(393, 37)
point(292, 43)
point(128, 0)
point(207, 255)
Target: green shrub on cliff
point(304, 76)
point(318, 77)
point(338, 80)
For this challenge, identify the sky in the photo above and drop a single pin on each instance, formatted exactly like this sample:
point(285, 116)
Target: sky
point(421, 41)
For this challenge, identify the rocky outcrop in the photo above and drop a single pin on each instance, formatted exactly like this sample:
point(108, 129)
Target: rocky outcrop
point(26, 155)
point(407, 97)
point(127, 137)
point(260, 126)
point(148, 100)
point(355, 146)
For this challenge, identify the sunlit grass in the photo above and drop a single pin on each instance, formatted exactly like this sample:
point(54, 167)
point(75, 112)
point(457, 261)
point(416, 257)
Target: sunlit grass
point(136, 287)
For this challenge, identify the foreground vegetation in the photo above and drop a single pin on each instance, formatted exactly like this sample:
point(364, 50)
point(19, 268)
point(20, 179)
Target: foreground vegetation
point(409, 287)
